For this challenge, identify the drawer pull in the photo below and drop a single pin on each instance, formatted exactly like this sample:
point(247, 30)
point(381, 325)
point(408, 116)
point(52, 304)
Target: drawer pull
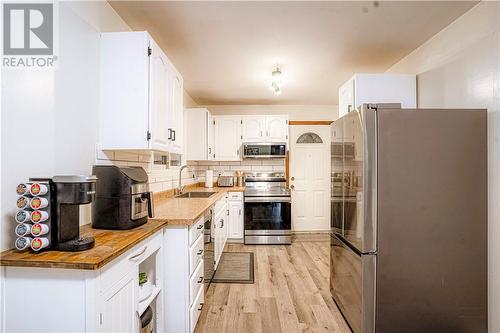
point(200, 280)
point(199, 253)
point(134, 257)
point(201, 307)
point(200, 226)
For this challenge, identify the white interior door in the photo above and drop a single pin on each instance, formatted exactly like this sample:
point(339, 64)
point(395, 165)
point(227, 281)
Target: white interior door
point(310, 167)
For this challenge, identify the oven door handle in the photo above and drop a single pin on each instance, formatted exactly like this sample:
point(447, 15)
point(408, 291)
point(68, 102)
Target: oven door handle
point(267, 199)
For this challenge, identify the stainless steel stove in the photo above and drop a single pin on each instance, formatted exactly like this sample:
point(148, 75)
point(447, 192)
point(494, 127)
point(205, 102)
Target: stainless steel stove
point(267, 209)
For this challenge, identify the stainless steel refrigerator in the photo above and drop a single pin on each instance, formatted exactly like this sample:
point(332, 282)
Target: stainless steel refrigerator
point(409, 219)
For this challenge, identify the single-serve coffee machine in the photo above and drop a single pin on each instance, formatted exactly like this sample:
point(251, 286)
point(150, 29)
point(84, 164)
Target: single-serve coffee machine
point(71, 193)
point(123, 199)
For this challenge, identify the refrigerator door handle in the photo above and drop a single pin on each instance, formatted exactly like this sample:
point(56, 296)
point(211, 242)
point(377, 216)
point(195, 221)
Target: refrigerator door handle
point(368, 118)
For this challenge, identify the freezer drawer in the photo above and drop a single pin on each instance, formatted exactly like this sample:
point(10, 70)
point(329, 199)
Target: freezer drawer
point(352, 283)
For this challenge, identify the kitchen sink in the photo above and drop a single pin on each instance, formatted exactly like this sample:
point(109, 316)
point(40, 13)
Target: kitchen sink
point(195, 195)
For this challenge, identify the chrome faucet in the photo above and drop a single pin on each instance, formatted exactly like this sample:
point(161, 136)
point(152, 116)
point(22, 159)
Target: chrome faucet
point(180, 188)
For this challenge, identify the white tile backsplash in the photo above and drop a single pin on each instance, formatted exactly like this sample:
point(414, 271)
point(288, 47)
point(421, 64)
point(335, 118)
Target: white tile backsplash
point(220, 167)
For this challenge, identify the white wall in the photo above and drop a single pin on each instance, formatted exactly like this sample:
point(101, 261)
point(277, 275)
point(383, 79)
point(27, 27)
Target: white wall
point(460, 67)
point(49, 118)
point(295, 112)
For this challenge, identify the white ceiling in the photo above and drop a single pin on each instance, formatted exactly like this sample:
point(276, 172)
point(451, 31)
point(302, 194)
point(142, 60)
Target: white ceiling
point(227, 50)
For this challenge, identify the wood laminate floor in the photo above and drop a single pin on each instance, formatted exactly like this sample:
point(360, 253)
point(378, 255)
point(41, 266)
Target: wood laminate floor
point(291, 292)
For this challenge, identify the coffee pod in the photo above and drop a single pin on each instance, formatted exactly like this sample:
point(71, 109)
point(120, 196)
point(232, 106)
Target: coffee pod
point(23, 229)
point(39, 216)
point(23, 202)
point(39, 229)
point(22, 243)
point(39, 243)
point(22, 189)
point(38, 189)
point(39, 203)
point(22, 216)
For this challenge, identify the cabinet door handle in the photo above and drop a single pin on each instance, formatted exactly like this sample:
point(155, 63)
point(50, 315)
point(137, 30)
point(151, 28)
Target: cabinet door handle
point(200, 226)
point(199, 253)
point(222, 223)
point(201, 307)
point(240, 211)
point(170, 134)
point(209, 150)
point(261, 133)
point(349, 108)
point(267, 133)
point(173, 131)
point(200, 280)
point(227, 212)
point(135, 256)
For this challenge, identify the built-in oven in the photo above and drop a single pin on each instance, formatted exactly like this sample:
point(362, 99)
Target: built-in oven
point(264, 150)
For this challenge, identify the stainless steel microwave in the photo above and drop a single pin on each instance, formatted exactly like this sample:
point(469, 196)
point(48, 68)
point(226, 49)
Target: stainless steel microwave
point(264, 150)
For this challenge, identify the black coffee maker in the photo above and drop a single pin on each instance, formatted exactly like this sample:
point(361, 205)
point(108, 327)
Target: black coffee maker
point(123, 199)
point(70, 193)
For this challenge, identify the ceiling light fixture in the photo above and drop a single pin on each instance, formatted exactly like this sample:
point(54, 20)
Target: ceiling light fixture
point(277, 81)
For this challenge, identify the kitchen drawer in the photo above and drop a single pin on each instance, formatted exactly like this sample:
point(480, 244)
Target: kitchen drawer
point(196, 282)
point(195, 254)
point(121, 266)
point(196, 230)
point(235, 196)
point(195, 310)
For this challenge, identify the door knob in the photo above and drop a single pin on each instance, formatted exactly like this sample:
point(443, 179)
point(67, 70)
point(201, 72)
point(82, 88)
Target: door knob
point(292, 186)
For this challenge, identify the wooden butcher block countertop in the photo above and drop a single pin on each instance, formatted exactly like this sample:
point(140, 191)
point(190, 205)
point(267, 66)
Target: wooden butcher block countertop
point(109, 244)
point(184, 211)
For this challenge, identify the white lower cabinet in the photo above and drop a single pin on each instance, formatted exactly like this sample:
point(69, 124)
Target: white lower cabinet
point(118, 312)
point(184, 267)
point(74, 300)
point(220, 228)
point(236, 218)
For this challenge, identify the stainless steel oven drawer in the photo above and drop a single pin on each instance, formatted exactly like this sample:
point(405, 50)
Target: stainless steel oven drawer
point(268, 239)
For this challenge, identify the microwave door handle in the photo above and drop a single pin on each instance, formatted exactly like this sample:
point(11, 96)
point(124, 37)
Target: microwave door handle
point(149, 196)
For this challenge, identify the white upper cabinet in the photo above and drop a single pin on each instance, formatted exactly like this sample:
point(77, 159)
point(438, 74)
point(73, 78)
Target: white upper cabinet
point(198, 146)
point(160, 98)
point(265, 128)
point(177, 107)
point(346, 97)
point(254, 128)
point(227, 138)
point(141, 95)
point(377, 88)
point(276, 128)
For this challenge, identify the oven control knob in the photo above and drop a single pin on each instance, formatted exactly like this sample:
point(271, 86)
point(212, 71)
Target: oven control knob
point(293, 178)
point(292, 186)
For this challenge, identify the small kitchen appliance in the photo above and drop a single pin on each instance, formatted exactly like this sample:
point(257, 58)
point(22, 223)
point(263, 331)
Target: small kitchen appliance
point(71, 193)
point(123, 198)
point(225, 181)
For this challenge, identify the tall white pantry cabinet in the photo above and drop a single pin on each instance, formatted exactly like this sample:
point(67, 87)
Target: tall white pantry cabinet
point(141, 95)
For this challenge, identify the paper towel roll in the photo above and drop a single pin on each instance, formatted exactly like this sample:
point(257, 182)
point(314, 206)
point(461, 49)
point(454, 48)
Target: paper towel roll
point(209, 178)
